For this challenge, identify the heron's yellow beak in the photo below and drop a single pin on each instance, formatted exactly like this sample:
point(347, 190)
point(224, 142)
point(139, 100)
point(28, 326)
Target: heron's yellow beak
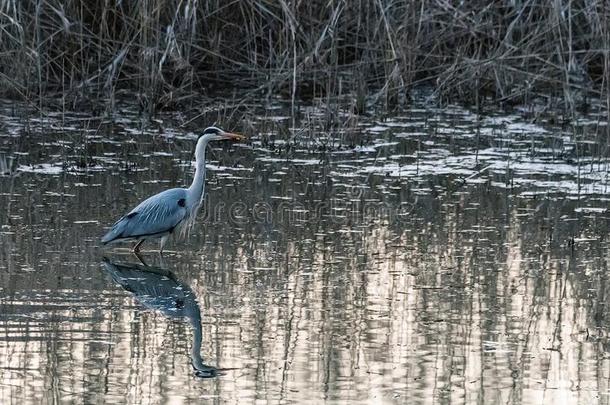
point(234, 137)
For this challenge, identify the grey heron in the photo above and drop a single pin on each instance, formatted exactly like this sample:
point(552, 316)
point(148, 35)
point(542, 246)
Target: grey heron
point(159, 290)
point(172, 210)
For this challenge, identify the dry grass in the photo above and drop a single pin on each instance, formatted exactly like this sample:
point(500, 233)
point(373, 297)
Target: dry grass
point(168, 52)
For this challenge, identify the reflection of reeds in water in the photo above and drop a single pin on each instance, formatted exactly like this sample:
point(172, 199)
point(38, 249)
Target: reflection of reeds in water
point(474, 297)
point(169, 51)
point(452, 308)
point(6, 165)
point(474, 293)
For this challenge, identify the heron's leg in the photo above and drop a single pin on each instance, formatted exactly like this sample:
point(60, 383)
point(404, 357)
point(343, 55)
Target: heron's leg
point(140, 258)
point(136, 248)
point(162, 243)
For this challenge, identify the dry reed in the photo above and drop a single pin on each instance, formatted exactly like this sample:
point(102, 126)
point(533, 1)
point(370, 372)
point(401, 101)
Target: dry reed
point(169, 52)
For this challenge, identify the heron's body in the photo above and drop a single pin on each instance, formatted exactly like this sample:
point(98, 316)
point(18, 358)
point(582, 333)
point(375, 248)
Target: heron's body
point(172, 210)
point(157, 217)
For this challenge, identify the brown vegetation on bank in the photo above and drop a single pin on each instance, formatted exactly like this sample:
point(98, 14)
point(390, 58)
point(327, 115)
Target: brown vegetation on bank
point(168, 52)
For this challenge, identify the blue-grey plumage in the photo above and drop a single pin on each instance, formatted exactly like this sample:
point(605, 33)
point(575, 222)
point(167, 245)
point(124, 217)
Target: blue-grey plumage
point(159, 290)
point(163, 214)
point(157, 216)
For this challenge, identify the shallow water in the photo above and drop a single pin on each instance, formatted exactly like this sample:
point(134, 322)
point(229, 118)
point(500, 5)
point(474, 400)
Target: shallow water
point(429, 257)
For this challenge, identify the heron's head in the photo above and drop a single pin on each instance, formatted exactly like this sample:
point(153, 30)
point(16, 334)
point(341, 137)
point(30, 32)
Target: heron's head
point(217, 134)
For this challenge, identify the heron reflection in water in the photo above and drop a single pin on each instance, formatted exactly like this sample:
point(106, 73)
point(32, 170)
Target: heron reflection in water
point(158, 289)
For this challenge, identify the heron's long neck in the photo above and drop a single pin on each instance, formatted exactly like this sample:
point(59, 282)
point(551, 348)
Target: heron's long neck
point(197, 187)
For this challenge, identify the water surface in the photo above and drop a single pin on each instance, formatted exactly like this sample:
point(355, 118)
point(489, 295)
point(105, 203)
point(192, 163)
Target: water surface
point(434, 256)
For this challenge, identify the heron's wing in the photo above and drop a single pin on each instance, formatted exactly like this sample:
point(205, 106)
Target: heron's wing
point(156, 215)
